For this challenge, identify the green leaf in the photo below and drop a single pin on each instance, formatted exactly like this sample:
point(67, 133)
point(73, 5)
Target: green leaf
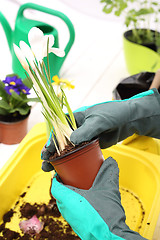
point(21, 110)
point(154, 3)
point(158, 41)
point(3, 92)
point(4, 105)
point(27, 82)
point(144, 11)
point(31, 100)
point(107, 9)
point(73, 122)
point(3, 111)
point(16, 96)
point(106, 1)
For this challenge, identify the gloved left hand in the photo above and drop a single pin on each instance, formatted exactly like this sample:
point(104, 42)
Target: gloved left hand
point(48, 150)
point(97, 213)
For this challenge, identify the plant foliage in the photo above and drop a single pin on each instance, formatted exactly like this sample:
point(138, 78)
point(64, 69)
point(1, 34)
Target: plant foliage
point(14, 96)
point(32, 61)
point(138, 16)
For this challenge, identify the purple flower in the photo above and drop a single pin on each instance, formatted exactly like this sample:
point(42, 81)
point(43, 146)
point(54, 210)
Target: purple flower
point(13, 81)
point(31, 226)
point(10, 89)
point(24, 89)
point(15, 84)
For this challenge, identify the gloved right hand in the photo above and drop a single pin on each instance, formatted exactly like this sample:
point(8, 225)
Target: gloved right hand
point(97, 213)
point(114, 121)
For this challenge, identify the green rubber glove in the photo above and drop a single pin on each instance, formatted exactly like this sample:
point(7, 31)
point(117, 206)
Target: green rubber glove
point(114, 121)
point(97, 213)
point(48, 150)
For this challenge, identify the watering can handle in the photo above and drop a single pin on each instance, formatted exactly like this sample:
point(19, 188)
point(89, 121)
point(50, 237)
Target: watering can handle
point(55, 13)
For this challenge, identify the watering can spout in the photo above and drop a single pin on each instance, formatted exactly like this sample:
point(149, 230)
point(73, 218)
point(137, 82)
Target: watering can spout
point(7, 29)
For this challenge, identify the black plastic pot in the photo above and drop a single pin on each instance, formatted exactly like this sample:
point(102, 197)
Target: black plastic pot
point(133, 85)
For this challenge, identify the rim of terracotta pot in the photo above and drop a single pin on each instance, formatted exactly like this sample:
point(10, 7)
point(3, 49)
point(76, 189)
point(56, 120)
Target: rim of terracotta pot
point(78, 149)
point(17, 121)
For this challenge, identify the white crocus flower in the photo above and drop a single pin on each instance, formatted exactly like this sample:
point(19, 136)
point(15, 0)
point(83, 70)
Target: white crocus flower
point(26, 50)
point(32, 56)
point(38, 43)
point(21, 57)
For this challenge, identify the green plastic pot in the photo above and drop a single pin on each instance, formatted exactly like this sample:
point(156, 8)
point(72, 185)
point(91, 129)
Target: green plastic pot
point(139, 58)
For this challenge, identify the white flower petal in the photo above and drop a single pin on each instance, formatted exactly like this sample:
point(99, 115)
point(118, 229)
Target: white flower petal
point(26, 50)
point(34, 35)
point(35, 38)
point(57, 51)
point(21, 57)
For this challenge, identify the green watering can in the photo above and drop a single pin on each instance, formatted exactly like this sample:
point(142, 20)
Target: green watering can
point(23, 26)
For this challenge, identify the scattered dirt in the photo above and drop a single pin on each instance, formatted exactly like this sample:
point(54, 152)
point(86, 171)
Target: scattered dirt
point(53, 229)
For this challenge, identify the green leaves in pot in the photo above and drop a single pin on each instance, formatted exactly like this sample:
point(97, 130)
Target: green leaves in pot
point(14, 96)
point(32, 59)
point(138, 16)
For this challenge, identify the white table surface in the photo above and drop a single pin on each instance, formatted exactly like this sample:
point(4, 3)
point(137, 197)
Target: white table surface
point(95, 62)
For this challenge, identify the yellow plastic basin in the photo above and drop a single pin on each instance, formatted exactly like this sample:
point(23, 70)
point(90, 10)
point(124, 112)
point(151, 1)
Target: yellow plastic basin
point(139, 180)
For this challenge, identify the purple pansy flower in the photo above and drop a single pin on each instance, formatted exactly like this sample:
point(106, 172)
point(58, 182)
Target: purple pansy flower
point(24, 89)
point(13, 80)
point(10, 89)
point(15, 84)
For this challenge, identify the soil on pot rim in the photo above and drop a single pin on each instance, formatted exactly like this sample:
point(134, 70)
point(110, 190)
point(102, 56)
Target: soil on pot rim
point(68, 149)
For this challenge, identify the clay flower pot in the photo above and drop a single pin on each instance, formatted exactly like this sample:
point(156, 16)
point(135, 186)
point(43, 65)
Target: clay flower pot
point(80, 167)
point(13, 132)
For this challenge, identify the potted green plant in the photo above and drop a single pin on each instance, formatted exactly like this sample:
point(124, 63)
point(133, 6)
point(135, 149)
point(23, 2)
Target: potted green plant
point(141, 43)
point(76, 166)
point(14, 109)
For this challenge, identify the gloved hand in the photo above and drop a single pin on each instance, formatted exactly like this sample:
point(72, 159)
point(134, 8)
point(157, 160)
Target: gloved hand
point(97, 213)
point(48, 150)
point(114, 121)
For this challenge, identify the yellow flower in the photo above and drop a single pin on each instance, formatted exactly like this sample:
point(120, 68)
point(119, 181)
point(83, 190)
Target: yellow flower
point(12, 83)
point(62, 82)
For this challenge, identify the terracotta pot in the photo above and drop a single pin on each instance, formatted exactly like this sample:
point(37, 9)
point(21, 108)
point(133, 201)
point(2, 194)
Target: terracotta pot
point(80, 167)
point(13, 132)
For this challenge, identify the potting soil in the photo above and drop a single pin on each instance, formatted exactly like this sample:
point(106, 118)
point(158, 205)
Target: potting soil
point(36, 200)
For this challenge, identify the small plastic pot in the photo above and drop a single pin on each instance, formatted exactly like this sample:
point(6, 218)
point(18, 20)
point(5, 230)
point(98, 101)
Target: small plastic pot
point(80, 167)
